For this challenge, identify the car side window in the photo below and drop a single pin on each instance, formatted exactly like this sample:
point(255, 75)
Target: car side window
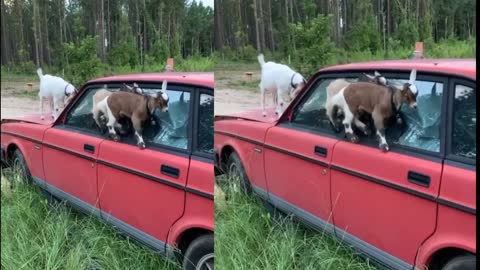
point(205, 123)
point(80, 116)
point(311, 113)
point(170, 128)
point(421, 127)
point(464, 122)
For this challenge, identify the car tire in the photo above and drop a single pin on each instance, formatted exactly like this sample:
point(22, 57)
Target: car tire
point(20, 169)
point(235, 170)
point(200, 254)
point(465, 262)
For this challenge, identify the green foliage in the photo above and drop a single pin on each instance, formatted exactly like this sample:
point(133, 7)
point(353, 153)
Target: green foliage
point(123, 54)
point(36, 235)
point(407, 33)
point(314, 48)
point(452, 49)
point(364, 34)
point(83, 61)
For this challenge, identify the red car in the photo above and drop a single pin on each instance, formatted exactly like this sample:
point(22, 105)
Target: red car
point(413, 206)
point(162, 195)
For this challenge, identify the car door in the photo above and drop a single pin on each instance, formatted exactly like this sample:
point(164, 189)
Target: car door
point(385, 203)
point(297, 153)
point(457, 200)
point(143, 191)
point(70, 153)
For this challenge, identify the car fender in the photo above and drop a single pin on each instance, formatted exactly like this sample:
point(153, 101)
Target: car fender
point(440, 241)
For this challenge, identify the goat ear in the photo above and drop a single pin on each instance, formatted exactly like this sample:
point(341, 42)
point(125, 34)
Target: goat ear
point(369, 76)
point(376, 73)
point(413, 76)
point(164, 86)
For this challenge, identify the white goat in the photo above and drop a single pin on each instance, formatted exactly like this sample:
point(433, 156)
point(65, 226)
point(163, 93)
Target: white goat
point(279, 79)
point(56, 89)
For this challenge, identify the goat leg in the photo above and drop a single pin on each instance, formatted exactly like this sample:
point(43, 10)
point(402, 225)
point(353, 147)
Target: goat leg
point(347, 122)
point(137, 125)
point(379, 122)
point(41, 108)
point(111, 125)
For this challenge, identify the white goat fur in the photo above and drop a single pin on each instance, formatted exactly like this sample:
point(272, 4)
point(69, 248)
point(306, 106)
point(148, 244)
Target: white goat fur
point(278, 78)
point(54, 88)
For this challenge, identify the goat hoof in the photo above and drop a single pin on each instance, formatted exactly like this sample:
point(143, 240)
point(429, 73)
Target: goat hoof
point(141, 145)
point(116, 138)
point(384, 147)
point(352, 138)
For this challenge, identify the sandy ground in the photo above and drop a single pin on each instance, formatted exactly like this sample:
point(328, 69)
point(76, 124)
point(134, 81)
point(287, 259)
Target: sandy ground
point(231, 96)
point(14, 101)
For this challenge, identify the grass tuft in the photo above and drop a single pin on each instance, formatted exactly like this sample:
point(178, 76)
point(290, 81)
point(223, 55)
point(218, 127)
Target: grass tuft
point(248, 237)
point(36, 235)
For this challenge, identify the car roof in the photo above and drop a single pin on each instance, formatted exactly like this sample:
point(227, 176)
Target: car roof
point(197, 78)
point(461, 67)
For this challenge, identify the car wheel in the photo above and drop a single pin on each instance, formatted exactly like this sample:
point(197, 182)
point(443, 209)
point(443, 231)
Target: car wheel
point(199, 254)
point(21, 173)
point(236, 172)
point(466, 262)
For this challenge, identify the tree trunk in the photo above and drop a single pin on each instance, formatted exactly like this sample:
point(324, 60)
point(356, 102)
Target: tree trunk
point(261, 24)
point(257, 32)
point(270, 26)
point(5, 49)
point(35, 31)
point(47, 40)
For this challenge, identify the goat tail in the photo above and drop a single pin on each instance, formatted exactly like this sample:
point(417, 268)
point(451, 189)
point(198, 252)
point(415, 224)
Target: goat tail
point(40, 73)
point(261, 59)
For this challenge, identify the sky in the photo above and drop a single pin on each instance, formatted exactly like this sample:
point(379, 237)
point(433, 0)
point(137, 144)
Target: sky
point(207, 2)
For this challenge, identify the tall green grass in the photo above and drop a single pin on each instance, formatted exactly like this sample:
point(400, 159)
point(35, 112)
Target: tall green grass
point(248, 237)
point(35, 235)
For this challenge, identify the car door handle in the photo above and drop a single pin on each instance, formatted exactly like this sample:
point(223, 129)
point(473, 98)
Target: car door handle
point(89, 148)
point(321, 151)
point(170, 171)
point(419, 179)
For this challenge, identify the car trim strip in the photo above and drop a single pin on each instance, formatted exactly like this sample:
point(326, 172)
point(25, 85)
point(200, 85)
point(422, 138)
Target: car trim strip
point(383, 182)
point(275, 148)
point(360, 175)
point(59, 148)
point(115, 166)
point(319, 224)
point(457, 206)
point(22, 137)
point(88, 209)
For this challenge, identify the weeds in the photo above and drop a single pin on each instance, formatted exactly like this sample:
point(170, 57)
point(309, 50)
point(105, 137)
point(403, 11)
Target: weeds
point(248, 237)
point(36, 235)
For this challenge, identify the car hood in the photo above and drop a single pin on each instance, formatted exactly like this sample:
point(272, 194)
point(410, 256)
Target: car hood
point(253, 115)
point(30, 118)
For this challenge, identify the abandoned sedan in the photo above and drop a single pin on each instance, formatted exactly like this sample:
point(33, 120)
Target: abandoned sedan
point(161, 195)
point(410, 207)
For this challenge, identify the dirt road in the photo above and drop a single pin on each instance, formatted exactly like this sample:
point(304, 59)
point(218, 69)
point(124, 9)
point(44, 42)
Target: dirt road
point(15, 98)
point(234, 92)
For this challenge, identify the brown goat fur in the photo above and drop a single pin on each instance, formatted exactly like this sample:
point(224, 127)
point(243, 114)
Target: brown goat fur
point(380, 101)
point(138, 108)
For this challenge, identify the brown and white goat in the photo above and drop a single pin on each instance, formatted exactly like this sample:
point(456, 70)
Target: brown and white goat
point(335, 86)
point(380, 101)
point(138, 108)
